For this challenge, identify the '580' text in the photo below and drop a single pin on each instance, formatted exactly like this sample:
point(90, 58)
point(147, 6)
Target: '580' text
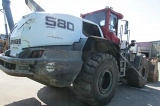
point(53, 22)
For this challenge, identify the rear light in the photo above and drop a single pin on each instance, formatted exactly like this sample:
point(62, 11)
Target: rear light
point(36, 54)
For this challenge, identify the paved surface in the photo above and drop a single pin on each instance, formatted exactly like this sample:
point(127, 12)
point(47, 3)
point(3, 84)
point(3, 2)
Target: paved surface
point(16, 91)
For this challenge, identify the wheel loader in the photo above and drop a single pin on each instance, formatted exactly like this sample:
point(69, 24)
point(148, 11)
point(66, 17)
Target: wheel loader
point(86, 52)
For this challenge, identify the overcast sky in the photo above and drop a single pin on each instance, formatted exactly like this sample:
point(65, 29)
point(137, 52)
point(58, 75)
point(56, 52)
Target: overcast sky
point(143, 15)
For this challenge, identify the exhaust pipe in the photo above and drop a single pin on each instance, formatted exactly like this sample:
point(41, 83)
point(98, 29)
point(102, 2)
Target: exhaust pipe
point(33, 6)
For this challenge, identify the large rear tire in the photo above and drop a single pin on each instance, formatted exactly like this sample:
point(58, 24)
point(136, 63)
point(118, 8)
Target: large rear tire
point(98, 79)
point(136, 80)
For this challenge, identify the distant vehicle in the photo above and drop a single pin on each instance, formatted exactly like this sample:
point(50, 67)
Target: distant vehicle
point(151, 50)
point(8, 20)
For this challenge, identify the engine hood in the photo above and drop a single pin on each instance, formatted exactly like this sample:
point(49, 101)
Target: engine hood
point(43, 29)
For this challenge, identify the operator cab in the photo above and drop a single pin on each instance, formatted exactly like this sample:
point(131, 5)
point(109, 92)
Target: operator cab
point(108, 20)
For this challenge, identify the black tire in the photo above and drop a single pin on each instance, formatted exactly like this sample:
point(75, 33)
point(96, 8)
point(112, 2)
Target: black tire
point(98, 79)
point(136, 80)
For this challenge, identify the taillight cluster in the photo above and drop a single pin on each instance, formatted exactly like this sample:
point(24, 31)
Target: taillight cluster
point(36, 54)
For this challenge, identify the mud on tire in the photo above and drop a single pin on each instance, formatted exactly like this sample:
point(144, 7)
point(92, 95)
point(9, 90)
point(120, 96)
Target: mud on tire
point(98, 79)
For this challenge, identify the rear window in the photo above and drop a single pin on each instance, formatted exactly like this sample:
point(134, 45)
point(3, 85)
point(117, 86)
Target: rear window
point(90, 30)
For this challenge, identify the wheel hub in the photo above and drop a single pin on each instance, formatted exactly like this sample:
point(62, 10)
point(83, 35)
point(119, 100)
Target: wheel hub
point(105, 81)
point(143, 72)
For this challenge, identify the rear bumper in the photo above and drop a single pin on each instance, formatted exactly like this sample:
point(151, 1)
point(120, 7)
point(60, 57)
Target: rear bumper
point(55, 68)
point(5, 63)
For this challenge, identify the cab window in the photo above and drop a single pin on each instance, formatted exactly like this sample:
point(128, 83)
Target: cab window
point(90, 30)
point(97, 17)
point(113, 23)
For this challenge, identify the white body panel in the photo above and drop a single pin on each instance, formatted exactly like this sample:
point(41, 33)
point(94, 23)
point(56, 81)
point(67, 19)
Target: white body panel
point(42, 29)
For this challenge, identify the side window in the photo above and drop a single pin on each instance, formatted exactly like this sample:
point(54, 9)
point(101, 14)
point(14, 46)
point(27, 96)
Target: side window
point(90, 30)
point(113, 23)
point(97, 17)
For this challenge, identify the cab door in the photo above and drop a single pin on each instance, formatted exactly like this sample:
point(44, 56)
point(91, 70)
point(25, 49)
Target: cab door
point(113, 28)
point(113, 23)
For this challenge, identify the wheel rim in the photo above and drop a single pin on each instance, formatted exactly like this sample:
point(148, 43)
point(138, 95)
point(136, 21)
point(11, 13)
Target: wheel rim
point(105, 81)
point(143, 72)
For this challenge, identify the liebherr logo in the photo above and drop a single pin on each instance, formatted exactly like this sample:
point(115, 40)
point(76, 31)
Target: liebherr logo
point(16, 41)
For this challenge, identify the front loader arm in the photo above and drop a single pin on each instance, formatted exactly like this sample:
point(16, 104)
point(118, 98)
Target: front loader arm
point(33, 6)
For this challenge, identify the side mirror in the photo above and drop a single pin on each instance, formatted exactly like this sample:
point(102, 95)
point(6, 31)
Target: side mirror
point(126, 28)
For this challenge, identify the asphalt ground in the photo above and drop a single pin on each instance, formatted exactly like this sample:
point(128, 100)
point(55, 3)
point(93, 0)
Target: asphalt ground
point(20, 91)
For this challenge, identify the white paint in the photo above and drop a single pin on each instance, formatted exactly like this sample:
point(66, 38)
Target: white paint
point(50, 67)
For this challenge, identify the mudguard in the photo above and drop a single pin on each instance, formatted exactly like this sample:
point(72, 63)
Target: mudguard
point(101, 45)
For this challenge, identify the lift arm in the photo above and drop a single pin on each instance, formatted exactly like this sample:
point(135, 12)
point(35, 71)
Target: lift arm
point(33, 6)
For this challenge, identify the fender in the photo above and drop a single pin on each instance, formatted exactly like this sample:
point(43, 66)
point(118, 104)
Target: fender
point(101, 45)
